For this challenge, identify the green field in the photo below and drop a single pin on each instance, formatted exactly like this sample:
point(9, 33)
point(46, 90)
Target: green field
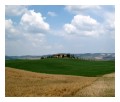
point(64, 66)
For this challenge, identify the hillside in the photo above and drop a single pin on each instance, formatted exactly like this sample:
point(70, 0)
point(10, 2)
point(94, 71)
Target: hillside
point(64, 66)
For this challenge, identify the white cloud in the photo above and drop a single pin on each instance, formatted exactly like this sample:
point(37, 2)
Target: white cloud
point(104, 15)
point(32, 26)
point(109, 24)
point(15, 10)
point(34, 22)
point(8, 24)
point(110, 20)
point(69, 28)
point(10, 30)
point(101, 21)
point(81, 8)
point(52, 14)
point(29, 33)
point(82, 25)
point(80, 20)
point(26, 41)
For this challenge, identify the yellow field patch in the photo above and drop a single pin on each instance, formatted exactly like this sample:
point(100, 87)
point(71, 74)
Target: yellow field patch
point(102, 87)
point(24, 83)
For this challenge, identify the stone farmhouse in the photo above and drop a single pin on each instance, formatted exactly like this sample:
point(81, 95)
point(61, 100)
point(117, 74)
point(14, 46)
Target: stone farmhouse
point(61, 55)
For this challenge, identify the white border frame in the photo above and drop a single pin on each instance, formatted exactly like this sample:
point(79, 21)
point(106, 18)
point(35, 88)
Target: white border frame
point(59, 2)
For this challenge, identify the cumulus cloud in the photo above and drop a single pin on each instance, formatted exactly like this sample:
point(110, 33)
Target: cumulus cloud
point(34, 22)
point(30, 23)
point(82, 25)
point(80, 20)
point(15, 10)
point(29, 33)
point(52, 14)
point(10, 30)
point(17, 38)
point(91, 20)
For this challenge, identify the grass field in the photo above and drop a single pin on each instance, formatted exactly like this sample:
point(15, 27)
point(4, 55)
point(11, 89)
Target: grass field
point(64, 66)
point(20, 83)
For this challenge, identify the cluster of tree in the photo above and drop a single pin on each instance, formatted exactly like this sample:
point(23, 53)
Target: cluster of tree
point(59, 56)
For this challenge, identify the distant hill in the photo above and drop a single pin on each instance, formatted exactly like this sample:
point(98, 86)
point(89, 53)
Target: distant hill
point(86, 56)
point(96, 56)
point(22, 57)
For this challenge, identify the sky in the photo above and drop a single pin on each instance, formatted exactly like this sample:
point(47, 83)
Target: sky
point(49, 29)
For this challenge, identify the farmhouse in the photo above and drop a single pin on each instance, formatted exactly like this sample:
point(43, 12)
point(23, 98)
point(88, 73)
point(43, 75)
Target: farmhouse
point(61, 55)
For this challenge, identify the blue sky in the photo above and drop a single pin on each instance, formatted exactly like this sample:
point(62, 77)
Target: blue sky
point(40, 30)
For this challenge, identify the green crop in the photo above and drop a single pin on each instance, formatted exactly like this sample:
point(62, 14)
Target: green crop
point(64, 66)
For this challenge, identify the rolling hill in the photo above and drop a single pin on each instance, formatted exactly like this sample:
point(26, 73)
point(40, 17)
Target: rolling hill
point(64, 66)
